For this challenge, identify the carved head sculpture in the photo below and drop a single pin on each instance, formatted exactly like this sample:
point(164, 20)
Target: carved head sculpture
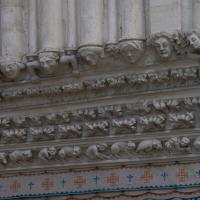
point(90, 55)
point(102, 146)
point(111, 50)
point(10, 68)
point(131, 50)
point(162, 42)
point(48, 61)
point(194, 39)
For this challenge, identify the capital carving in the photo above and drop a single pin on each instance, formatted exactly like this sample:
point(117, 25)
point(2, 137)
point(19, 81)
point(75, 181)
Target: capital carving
point(131, 50)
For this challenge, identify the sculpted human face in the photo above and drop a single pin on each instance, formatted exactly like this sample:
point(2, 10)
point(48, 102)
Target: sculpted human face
point(163, 47)
point(131, 53)
point(10, 70)
point(194, 41)
point(48, 65)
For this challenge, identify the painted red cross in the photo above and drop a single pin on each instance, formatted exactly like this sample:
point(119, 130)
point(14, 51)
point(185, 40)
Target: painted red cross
point(47, 184)
point(15, 186)
point(182, 175)
point(113, 180)
point(146, 177)
point(79, 181)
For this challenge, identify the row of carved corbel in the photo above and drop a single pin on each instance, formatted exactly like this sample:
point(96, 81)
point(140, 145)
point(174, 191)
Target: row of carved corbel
point(109, 112)
point(103, 151)
point(131, 125)
point(46, 62)
point(132, 82)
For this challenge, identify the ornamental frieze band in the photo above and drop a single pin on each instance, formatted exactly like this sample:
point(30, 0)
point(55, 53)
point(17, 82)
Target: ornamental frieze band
point(47, 63)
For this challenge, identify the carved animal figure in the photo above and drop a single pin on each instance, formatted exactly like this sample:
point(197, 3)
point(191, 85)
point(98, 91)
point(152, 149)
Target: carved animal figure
point(178, 144)
point(95, 151)
point(196, 143)
point(67, 152)
point(20, 156)
point(3, 158)
point(46, 154)
point(149, 146)
point(119, 148)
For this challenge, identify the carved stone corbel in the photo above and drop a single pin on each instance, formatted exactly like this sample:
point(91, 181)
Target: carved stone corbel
point(90, 55)
point(131, 50)
point(111, 50)
point(11, 69)
point(49, 60)
point(69, 58)
point(32, 63)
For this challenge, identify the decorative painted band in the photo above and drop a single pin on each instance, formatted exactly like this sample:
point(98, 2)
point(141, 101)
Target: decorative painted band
point(109, 180)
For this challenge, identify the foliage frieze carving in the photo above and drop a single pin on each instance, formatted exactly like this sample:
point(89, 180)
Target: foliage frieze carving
point(121, 119)
point(126, 83)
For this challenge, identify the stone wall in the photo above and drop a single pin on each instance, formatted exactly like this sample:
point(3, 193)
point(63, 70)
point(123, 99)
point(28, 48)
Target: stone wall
point(88, 85)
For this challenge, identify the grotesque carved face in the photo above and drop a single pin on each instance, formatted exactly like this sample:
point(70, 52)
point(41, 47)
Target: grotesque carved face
point(48, 62)
point(91, 58)
point(194, 41)
point(131, 50)
point(10, 70)
point(163, 47)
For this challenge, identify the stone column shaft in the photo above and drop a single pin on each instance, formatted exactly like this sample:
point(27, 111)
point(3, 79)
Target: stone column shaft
point(51, 27)
point(165, 16)
point(196, 15)
point(112, 21)
point(90, 22)
point(33, 43)
point(71, 25)
point(12, 30)
point(132, 20)
point(186, 15)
